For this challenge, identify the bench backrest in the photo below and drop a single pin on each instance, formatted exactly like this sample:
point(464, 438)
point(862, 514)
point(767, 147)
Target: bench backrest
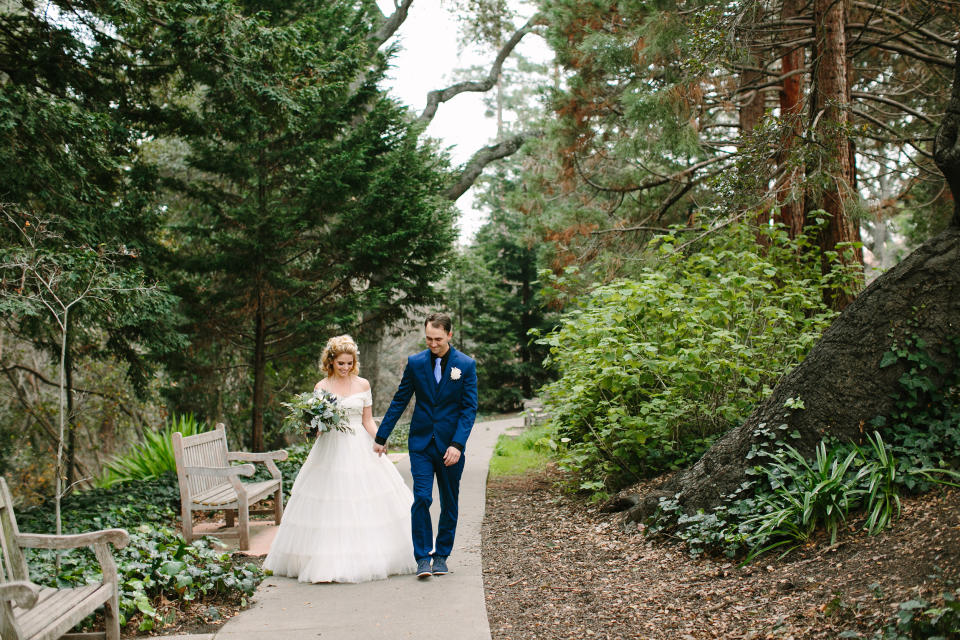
point(202, 450)
point(13, 566)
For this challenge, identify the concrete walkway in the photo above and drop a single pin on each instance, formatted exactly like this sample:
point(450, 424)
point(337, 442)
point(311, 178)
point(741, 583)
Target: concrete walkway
point(451, 607)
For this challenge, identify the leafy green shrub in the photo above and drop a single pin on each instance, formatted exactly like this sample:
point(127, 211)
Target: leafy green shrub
point(156, 565)
point(924, 427)
point(152, 457)
point(123, 505)
point(654, 368)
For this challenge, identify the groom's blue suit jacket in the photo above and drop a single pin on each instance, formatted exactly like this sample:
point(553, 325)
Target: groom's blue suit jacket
point(445, 411)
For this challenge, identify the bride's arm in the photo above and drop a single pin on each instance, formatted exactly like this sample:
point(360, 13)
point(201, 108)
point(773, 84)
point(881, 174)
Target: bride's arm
point(368, 422)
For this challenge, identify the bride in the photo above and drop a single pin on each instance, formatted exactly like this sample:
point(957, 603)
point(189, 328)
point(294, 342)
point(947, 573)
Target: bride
point(348, 518)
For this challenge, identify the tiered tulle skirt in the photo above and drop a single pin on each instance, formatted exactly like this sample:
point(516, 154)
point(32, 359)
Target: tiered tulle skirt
point(348, 518)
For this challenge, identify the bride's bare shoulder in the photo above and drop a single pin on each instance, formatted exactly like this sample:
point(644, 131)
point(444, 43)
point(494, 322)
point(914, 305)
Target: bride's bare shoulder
point(363, 384)
point(320, 385)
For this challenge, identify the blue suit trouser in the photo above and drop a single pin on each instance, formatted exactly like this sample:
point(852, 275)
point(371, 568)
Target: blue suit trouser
point(424, 466)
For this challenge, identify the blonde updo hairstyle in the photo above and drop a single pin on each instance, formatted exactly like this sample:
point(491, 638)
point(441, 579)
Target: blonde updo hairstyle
point(336, 346)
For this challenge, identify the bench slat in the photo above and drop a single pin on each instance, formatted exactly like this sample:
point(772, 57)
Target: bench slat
point(58, 610)
point(227, 495)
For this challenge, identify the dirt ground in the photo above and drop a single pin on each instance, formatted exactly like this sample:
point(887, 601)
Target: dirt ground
point(556, 567)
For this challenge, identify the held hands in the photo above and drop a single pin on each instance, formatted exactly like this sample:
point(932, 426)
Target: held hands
point(379, 449)
point(451, 457)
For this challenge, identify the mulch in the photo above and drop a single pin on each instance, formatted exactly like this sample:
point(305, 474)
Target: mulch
point(558, 567)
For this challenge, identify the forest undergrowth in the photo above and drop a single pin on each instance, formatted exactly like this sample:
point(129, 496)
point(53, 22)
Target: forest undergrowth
point(557, 566)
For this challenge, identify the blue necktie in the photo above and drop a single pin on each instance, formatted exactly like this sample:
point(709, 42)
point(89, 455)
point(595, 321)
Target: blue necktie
point(436, 370)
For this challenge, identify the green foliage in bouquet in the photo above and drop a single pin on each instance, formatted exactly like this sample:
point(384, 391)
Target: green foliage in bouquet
point(319, 410)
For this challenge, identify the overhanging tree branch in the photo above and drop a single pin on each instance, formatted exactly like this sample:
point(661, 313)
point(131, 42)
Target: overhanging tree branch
point(483, 157)
point(390, 25)
point(435, 97)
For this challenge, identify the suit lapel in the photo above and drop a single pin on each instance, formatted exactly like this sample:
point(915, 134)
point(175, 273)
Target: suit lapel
point(427, 373)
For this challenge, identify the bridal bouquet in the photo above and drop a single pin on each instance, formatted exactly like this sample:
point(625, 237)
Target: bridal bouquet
point(318, 411)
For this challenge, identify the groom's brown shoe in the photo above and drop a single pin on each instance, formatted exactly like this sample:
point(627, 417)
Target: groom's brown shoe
point(423, 568)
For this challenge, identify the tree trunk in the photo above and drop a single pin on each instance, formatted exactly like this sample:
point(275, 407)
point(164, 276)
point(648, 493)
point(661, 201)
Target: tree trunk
point(841, 383)
point(259, 374)
point(789, 196)
point(830, 120)
point(371, 340)
point(71, 426)
point(946, 144)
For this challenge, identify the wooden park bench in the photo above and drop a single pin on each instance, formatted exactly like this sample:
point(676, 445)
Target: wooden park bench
point(31, 612)
point(208, 482)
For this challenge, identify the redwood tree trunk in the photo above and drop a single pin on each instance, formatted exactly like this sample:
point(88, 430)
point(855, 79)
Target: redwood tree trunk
point(790, 197)
point(259, 375)
point(831, 118)
point(371, 341)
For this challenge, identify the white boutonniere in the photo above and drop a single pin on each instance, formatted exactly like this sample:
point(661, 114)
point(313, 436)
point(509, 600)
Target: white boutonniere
point(455, 373)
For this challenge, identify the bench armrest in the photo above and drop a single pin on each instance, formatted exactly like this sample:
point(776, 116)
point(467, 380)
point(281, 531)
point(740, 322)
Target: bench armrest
point(267, 458)
point(257, 457)
point(117, 537)
point(22, 592)
point(221, 472)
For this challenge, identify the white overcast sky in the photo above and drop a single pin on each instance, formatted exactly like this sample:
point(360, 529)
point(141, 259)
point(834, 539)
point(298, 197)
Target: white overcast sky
point(428, 55)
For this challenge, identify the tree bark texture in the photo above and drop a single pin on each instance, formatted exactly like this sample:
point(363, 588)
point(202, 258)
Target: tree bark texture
point(259, 375)
point(371, 339)
point(831, 118)
point(71, 426)
point(789, 196)
point(841, 382)
point(946, 143)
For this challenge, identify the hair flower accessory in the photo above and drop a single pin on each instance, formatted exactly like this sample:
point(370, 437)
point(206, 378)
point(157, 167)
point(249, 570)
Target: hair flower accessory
point(455, 373)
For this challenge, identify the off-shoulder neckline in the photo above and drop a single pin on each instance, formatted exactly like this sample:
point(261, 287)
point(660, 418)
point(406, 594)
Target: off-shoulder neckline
point(358, 393)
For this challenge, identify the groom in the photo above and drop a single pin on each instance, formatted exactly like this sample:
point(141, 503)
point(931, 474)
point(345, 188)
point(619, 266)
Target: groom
point(445, 383)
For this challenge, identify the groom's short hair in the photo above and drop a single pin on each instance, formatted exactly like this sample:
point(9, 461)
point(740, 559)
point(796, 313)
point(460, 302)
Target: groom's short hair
point(440, 321)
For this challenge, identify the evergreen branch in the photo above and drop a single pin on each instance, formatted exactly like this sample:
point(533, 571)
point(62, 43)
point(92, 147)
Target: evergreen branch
point(913, 53)
point(893, 103)
point(886, 127)
point(650, 184)
point(913, 26)
point(641, 227)
point(435, 97)
point(772, 83)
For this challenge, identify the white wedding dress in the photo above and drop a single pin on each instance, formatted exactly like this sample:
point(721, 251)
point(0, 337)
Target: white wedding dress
point(348, 518)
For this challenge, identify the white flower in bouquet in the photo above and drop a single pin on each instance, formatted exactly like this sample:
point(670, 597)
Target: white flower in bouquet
point(320, 410)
